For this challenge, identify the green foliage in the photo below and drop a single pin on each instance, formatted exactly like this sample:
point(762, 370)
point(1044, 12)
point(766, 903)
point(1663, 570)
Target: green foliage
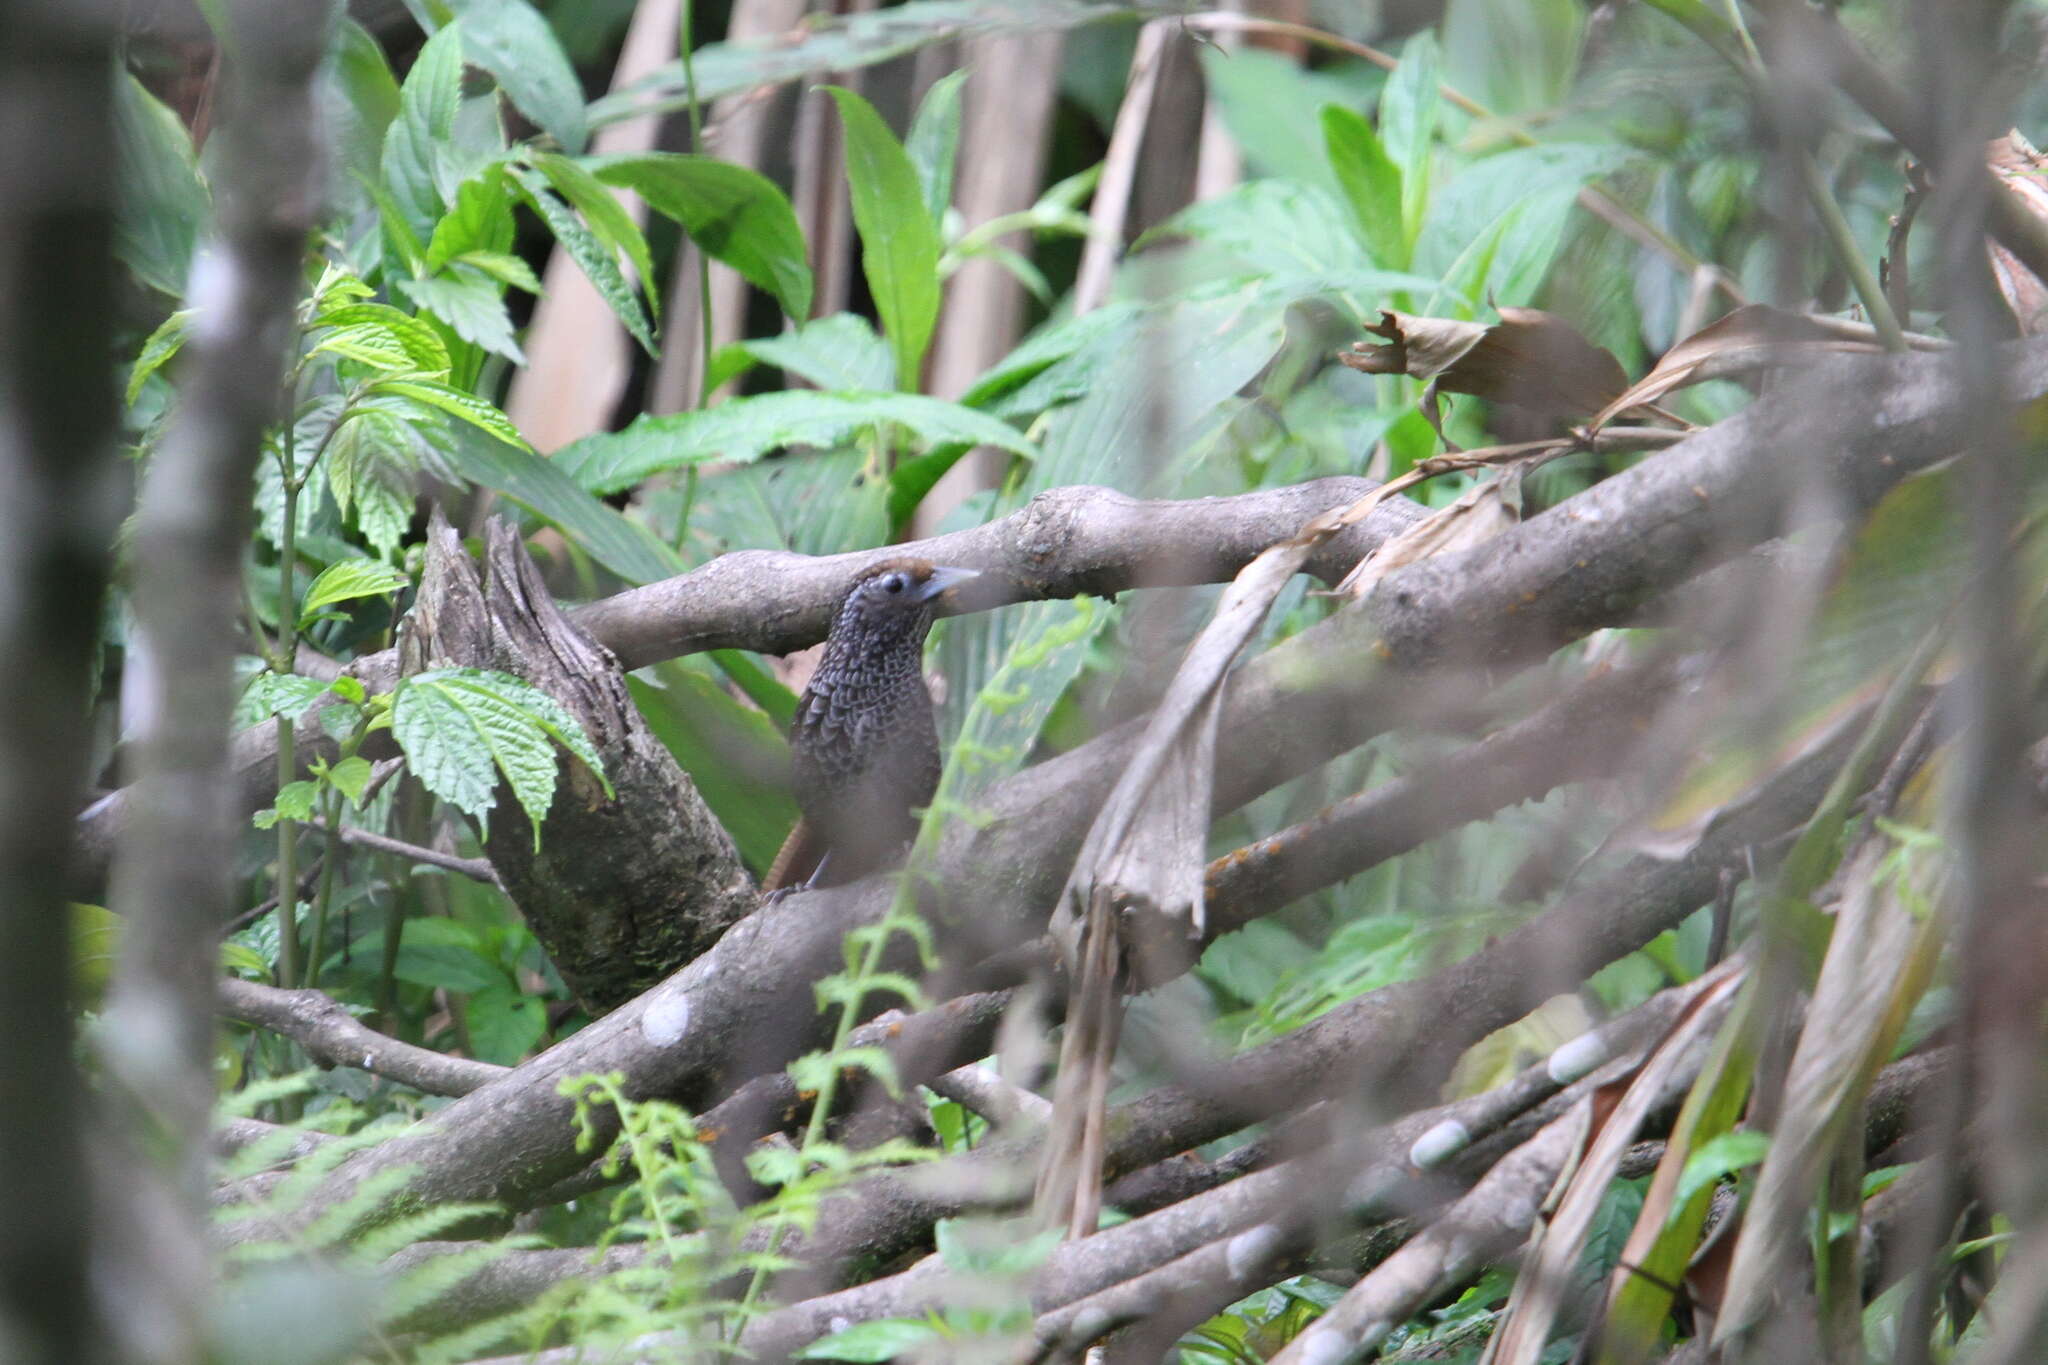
point(899, 239)
point(464, 728)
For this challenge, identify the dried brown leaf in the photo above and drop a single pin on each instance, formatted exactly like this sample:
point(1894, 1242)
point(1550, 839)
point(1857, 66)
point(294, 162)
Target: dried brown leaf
point(1530, 359)
point(1752, 338)
point(2024, 170)
point(1480, 515)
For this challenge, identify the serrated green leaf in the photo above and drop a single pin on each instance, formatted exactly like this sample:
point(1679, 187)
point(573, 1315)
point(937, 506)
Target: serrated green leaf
point(163, 204)
point(294, 802)
point(351, 777)
point(461, 726)
point(735, 215)
point(272, 694)
point(510, 39)
point(934, 142)
point(347, 580)
point(429, 353)
point(500, 265)
point(367, 343)
point(606, 216)
point(473, 306)
point(899, 245)
point(157, 351)
point(595, 259)
point(467, 407)
point(744, 429)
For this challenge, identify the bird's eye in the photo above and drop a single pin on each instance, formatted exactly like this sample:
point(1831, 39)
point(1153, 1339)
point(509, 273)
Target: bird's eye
point(893, 583)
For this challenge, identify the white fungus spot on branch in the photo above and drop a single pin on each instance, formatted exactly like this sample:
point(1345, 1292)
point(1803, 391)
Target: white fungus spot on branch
point(666, 1019)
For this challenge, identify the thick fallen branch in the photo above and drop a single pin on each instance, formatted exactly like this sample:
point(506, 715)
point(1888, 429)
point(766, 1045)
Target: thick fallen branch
point(1066, 542)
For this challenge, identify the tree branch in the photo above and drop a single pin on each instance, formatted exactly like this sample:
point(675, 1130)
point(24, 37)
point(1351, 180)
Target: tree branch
point(332, 1036)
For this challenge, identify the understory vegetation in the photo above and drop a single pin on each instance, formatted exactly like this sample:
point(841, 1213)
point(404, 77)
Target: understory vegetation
point(1512, 587)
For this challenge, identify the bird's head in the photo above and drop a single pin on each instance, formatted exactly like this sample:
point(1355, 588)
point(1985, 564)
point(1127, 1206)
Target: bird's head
point(897, 594)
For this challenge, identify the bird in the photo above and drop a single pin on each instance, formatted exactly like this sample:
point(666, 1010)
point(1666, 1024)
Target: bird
point(864, 747)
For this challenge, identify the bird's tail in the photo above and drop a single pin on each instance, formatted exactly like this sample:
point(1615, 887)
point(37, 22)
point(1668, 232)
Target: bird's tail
point(1070, 1176)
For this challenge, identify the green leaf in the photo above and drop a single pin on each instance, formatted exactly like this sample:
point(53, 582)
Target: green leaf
point(347, 580)
point(1722, 1154)
point(351, 777)
point(544, 489)
point(479, 220)
point(899, 245)
point(1371, 183)
point(416, 157)
point(358, 99)
point(509, 39)
point(734, 754)
point(368, 344)
point(1408, 119)
point(881, 1340)
point(446, 953)
point(504, 1023)
point(419, 340)
point(744, 429)
point(453, 401)
point(273, 694)
point(501, 265)
point(1513, 56)
point(592, 256)
point(163, 204)
point(163, 343)
point(734, 214)
point(934, 142)
point(836, 352)
point(294, 802)
point(604, 213)
point(460, 727)
point(472, 305)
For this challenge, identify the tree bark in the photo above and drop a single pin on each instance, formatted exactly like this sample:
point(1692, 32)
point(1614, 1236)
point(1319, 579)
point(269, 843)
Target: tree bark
point(621, 890)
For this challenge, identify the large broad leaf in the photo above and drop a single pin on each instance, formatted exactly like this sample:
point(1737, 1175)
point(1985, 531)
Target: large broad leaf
point(934, 142)
point(748, 428)
point(416, 156)
point(1371, 183)
point(346, 580)
point(460, 728)
point(1269, 104)
point(735, 755)
point(542, 488)
point(847, 43)
point(899, 243)
point(358, 100)
point(1513, 56)
point(838, 352)
point(1408, 118)
point(1277, 227)
point(509, 39)
point(163, 203)
point(823, 503)
point(736, 215)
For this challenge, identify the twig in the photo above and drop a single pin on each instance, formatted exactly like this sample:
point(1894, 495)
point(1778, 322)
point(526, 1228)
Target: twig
point(1112, 201)
point(476, 869)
